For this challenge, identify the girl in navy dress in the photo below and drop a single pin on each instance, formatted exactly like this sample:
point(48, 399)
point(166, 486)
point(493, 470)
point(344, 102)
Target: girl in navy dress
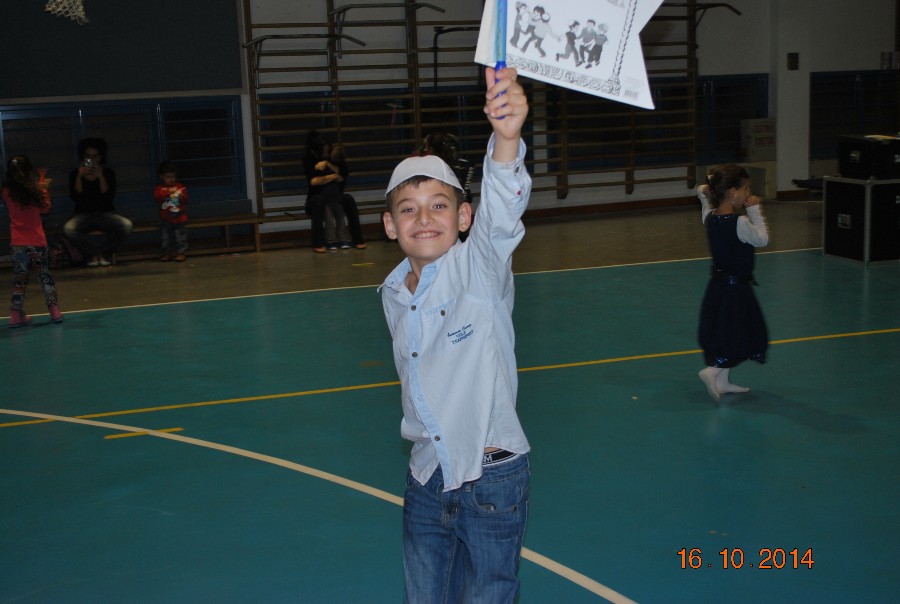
point(732, 327)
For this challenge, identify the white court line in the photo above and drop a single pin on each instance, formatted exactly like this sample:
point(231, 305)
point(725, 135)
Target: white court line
point(375, 285)
point(554, 567)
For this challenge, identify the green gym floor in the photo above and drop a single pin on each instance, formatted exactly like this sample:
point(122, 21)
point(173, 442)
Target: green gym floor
point(226, 430)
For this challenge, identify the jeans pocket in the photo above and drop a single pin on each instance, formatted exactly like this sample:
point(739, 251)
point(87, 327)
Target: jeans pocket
point(501, 494)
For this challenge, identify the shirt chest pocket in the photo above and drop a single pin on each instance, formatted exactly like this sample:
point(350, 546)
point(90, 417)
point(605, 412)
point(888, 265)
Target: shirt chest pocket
point(437, 321)
point(452, 326)
point(437, 316)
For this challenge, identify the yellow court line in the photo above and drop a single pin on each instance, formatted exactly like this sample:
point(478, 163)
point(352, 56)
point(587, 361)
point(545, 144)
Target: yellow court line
point(227, 401)
point(638, 357)
point(838, 335)
point(144, 433)
point(264, 397)
point(551, 565)
point(658, 355)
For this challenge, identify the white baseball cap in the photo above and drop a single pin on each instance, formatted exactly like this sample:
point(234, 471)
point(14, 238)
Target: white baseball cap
point(431, 166)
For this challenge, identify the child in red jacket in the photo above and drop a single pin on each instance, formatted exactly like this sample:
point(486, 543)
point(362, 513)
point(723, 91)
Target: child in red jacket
point(172, 197)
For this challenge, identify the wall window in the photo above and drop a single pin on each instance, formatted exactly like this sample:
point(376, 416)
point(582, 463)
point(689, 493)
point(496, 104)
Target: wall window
point(841, 103)
point(203, 136)
point(722, 102)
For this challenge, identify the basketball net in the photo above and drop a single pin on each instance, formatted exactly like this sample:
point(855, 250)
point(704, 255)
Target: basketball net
point(71, 9)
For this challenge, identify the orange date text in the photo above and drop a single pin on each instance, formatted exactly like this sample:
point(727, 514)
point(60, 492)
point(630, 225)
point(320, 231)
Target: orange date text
point(768, 558)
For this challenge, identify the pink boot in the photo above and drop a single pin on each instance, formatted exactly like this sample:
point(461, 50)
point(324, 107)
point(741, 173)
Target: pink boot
point(18, 318)
point(55, 315)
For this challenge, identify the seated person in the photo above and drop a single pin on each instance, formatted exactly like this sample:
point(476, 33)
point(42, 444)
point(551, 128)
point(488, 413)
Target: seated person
point(323, 196)
point(92, 187)
point(348, 203)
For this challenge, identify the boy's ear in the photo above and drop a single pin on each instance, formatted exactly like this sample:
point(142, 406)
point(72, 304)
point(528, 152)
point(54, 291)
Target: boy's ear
point(389, 229)
point(465, 216)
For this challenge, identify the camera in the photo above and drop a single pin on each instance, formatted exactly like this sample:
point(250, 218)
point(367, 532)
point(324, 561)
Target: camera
point(88, 162)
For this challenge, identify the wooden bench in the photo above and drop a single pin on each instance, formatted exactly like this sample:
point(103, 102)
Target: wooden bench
point(226, 215)
point(224, 222)
point(297, 212)
point(148, 223)
point(204, 213)
point(371, 206)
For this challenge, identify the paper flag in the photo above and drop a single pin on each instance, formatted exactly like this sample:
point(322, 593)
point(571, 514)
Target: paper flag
point(590, 47)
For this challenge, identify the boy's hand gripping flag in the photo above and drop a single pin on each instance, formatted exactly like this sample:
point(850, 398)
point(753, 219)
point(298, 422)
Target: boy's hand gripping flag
point(590, 47)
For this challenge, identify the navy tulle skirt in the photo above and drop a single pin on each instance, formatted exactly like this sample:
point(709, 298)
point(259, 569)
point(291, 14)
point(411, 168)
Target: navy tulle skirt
point(732, 326)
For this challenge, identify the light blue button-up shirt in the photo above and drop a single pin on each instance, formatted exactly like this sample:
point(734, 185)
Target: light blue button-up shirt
point(454, 341)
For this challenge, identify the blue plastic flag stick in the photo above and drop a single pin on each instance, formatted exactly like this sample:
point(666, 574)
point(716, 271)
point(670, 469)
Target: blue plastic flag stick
point(500, 40)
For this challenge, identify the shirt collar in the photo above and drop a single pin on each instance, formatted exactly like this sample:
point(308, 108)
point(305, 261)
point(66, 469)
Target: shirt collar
point(397, 279)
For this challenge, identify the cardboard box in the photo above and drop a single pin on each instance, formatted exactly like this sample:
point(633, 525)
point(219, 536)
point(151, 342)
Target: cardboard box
point(762, 178)
point(757, 140)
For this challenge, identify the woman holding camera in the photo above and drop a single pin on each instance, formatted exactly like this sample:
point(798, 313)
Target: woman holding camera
point(92, 187)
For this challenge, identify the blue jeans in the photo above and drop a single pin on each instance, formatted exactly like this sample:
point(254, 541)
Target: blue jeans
point(174, 237)
point(464, 545)
point(115, 227)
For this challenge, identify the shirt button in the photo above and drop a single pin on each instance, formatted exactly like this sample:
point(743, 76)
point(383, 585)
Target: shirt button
point(415, 354)
point(438, 437)
point(413, 307)
point(443, 312)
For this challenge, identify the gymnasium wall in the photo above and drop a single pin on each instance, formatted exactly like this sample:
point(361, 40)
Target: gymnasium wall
point(829, 35)
point(826, 35)
point(163, 48)
point(130, 47)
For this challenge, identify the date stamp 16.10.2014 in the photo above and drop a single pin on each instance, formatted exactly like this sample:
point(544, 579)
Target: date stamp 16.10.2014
point(768, 558)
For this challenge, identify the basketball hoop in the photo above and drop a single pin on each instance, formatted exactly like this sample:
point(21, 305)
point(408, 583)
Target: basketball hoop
point(71, 9)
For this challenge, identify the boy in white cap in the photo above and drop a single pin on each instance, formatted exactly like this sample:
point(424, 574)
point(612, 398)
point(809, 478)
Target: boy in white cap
point(449, 307)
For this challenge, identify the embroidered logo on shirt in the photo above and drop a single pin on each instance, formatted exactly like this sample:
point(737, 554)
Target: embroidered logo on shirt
point(460, 334)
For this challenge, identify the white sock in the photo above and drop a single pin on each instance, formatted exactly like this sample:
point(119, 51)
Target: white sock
point(708, 376)
point(723, 385)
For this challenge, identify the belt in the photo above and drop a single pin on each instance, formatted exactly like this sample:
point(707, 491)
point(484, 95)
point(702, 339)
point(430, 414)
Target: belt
point(721, 275)
point(498, 456)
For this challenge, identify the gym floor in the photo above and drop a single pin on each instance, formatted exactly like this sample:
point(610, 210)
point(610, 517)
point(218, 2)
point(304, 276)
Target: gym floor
point(227, 429)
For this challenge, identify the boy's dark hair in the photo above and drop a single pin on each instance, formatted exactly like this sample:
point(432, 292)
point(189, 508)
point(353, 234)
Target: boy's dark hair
point(94, 143)
point(167, 167)
point(19, 182)
point(724, 177)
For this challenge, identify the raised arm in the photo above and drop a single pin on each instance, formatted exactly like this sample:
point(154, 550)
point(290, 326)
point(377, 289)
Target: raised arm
point(752, 228)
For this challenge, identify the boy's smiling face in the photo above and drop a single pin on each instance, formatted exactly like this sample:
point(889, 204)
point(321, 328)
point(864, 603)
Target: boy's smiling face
point(426, 219)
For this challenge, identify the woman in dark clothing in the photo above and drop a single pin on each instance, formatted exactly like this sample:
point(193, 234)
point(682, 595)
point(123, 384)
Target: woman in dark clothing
point(324, 181)
point(92, 187)
point(348, 202)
